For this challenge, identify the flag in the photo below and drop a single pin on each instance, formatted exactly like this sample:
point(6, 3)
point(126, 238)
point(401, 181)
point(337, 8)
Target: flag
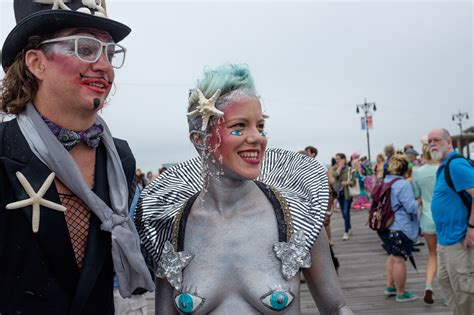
point(370, 121)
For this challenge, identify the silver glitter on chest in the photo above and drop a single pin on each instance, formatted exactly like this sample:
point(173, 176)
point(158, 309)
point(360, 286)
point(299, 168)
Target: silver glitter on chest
point(293, 255)
point(171, 265)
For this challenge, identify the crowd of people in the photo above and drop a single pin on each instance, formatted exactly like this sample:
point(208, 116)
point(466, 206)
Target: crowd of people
point(353, 180)
point(421, 194)
point(142, 180)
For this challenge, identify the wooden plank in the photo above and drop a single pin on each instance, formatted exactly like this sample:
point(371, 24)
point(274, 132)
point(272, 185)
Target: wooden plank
point(362, 275)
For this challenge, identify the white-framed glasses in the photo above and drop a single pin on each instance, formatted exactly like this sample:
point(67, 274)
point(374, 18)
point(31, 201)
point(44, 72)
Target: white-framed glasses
point(89, 49)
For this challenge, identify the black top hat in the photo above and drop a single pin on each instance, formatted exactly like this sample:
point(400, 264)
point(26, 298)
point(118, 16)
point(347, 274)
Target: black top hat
point(41, 17)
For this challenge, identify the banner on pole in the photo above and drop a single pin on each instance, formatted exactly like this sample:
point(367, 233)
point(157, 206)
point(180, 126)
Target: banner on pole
point(362, 123)
point(370, 121)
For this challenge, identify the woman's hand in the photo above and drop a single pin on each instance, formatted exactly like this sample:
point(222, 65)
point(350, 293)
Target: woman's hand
point(420, 202)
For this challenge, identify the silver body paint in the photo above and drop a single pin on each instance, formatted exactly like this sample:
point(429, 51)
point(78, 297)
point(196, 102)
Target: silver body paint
point(231, 232)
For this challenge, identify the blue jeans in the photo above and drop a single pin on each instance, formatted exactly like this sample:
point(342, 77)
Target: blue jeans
point(345, 205)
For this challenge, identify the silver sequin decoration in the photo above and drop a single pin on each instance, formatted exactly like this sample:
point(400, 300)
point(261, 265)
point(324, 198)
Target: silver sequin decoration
point(171, 265)
point(293, 255)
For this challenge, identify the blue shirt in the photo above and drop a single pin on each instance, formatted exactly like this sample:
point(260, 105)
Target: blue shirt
point(404, 206)
point(449, 212)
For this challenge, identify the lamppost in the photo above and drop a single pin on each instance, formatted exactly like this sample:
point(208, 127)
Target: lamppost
point(460, 116)
point(366, 109)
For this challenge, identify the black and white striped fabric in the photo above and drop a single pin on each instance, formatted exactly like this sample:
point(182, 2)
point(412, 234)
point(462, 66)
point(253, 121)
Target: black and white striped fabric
point(301, 180)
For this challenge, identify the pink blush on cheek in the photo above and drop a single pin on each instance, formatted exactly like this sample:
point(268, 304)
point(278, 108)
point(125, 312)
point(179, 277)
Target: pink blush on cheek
point(224, 148)
point(220, 138)
point(224, 135)
point(66, 64)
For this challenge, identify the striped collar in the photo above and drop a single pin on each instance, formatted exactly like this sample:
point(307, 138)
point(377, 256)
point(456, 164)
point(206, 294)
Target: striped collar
point(300, 180)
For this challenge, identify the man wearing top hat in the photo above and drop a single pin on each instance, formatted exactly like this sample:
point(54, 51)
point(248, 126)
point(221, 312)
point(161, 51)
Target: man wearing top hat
point(65, 183)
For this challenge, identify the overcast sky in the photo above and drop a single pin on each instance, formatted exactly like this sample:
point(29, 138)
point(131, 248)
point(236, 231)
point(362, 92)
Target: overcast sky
point(312, 62)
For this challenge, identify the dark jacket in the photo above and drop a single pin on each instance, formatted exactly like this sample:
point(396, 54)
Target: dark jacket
point(346, 174)
point(38, 271)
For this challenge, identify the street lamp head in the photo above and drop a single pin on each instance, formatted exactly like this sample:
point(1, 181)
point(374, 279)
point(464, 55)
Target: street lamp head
point(467, 116)
point(453, 117)
point(357, 109)
point(375, 107)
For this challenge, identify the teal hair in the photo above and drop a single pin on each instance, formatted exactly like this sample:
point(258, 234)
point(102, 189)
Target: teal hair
point(233, 80)
point(228, 78)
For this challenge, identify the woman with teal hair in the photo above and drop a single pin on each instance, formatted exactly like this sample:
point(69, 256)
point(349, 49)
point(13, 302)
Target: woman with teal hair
point(231, 230)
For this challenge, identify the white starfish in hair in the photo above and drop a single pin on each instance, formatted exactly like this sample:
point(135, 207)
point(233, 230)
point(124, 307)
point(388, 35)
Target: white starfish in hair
point(57, 4)
point(206, 108)
point(35, 200)
point(94, 5)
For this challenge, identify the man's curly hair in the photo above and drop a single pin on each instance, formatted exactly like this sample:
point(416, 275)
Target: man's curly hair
point(19, 86)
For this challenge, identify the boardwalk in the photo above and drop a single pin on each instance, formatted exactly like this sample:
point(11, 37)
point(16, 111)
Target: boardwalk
point(362, 275)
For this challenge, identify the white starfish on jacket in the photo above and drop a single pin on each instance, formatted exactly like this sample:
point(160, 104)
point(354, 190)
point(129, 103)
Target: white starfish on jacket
point(206, 108)
point(35, 200)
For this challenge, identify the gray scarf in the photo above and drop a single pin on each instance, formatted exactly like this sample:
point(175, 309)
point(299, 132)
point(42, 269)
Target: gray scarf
point(129, 264)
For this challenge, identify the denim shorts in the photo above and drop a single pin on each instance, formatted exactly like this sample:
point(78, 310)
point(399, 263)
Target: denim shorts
point(398, 244)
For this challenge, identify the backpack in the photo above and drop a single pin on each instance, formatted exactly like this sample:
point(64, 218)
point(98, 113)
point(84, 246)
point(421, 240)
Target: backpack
point(449, 181)
point(381, 215)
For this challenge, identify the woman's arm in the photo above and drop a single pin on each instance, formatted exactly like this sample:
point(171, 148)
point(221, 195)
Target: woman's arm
point(406, 196)
point(322, 280)
point(164, 303)
point(337, 171)
point(330, 175)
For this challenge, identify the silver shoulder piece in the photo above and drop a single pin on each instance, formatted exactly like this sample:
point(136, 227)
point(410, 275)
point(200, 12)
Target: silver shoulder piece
point(171, 265)
point(293, 255)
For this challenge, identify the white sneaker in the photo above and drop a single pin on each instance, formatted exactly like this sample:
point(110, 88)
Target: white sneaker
point(345, 236)
point(350, 232)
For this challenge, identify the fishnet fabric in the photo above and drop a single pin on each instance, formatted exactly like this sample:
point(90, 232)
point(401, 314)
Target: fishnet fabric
point(77, 219)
